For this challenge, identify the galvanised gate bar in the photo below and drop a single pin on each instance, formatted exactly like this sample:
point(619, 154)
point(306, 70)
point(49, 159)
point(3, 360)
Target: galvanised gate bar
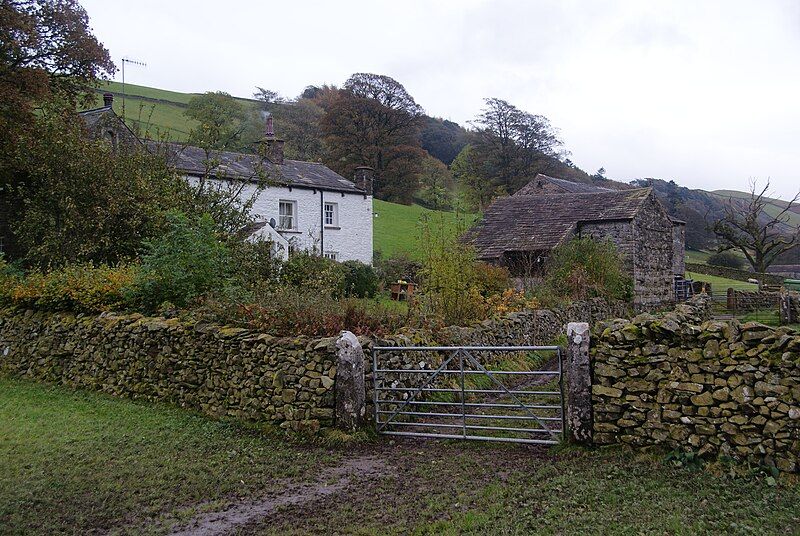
point(512, 400)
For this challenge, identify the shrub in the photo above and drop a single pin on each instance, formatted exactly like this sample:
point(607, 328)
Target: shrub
point(726, 259)
point(360, 280)
point(491, 280)
point(313, 273)
point(399, 267)
point(285, 311)
point(585, 268)
point(80, 288)
point(449, 290)
point(9, 277)
point(253, 262)
point(181, 265)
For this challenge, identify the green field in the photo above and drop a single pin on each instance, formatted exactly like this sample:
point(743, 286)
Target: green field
point(721, 283)
point(397, 228)
point(85, 463)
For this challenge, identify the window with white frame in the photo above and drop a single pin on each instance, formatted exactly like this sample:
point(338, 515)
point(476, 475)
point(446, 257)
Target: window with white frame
point(287, 215)
point(331, 214)
point(332, 255)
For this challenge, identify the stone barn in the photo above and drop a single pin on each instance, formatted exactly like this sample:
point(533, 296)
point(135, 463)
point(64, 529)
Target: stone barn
point(520, 231)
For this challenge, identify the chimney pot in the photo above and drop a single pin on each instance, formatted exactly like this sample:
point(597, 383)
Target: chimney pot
point(108, 100)
point(363, 177)
point(269, 127)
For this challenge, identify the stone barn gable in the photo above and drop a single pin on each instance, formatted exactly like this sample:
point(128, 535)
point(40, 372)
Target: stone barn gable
point(634, 220)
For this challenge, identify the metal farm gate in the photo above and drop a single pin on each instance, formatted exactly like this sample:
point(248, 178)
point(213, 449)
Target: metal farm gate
point(486, 393)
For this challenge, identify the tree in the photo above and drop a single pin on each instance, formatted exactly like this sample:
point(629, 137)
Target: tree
point(477, 191)
point(442, 139)
point(83, 200)
point(47, 51)
point(267, 96)
point(599, 175)
point(222, 121)
point(513, 144)
point(436, 182)
point(227, 125)
point(298, 123)
point(386, 90)
point(749, 228)
point(46, 47)
point(373, 121)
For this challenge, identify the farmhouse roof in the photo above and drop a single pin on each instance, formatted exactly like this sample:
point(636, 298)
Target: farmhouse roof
point(242, 166)
point(540, 223)
point(230, 165)
point(565, 185)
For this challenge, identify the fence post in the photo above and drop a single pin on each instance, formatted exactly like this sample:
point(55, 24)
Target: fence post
point(349, 383)
point(579, 384)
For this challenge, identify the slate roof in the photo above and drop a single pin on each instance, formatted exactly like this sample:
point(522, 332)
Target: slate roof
point(92, 117)
point(229, 165)
point(565, 185)
point(540, 223)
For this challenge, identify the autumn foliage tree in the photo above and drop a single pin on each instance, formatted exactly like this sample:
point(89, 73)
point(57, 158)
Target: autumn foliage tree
point(47, 51)
point(374, 121)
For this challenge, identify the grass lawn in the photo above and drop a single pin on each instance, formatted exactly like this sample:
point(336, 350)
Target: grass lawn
point(76, 462)
point(397, 230)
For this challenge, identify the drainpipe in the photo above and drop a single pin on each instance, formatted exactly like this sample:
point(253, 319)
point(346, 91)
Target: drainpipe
point(321, 223)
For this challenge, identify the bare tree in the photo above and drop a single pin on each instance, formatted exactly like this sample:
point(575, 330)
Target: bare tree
point(747, 227)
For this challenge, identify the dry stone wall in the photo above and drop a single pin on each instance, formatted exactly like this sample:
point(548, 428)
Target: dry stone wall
point(712, 387)
point(220, 371)
point(742, 300)
point(732, 273)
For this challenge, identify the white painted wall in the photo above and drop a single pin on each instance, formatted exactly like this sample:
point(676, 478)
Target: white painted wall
point(351, 241)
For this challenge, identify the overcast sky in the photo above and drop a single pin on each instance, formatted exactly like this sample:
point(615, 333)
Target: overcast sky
point(705, 93)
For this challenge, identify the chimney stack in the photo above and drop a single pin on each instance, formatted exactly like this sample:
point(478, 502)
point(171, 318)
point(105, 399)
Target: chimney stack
point(363, 177)
point(273, 146)
point(108, 100)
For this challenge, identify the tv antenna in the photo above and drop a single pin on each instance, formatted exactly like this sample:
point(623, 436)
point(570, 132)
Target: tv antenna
point(132, 62)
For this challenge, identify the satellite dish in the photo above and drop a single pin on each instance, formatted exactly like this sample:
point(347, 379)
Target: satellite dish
point(272, 222)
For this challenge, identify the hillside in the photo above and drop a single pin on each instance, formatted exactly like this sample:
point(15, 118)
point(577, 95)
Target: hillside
point(397, 228)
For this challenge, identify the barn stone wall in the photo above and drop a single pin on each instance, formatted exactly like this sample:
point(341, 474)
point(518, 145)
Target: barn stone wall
point(620, 233)
point(653, 256)
point(678, 248)
point(647, 244)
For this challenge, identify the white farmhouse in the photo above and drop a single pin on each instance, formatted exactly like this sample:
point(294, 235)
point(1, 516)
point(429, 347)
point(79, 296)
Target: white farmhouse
point(305, 205)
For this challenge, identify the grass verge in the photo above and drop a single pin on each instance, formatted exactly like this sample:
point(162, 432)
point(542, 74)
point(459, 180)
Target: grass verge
point(75, 462)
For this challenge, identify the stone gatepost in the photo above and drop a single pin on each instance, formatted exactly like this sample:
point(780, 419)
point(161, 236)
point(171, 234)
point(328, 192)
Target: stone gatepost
point(350, 393)
point(786, 309)
point(579, 384)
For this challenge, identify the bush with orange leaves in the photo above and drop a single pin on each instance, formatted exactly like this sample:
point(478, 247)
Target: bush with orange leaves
point(82, 288)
